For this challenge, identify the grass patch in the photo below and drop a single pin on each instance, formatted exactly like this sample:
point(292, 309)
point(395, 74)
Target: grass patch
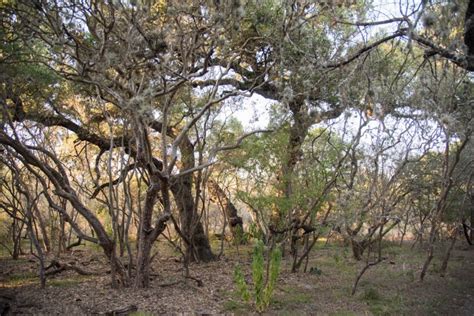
point(343, 313)
point(292, 297)
point(17, 280)
point(383, 305)
point(235, 306)
point(296, 298)
point(140, 313)
point(30, 278)
point(393, 251)
point(68, 282)
point(371, 294)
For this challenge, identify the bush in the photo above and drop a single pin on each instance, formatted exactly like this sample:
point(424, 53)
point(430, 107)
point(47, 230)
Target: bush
point(371, 294)
point(262, 289)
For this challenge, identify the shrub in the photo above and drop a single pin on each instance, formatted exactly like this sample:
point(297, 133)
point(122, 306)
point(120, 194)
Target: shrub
point(262, 289)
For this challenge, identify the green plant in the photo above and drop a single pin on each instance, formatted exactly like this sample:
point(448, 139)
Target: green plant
point(232, 305)
point(262, 288)
point(258, 269)
point(242, 288)
point(240, 237)
point(315, 271)
point(255, 232)
point(371, 294)
point(140, 313)
point(275, 262)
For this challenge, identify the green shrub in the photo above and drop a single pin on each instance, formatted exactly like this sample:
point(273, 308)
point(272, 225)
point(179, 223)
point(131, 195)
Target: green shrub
point(275, 262)
point(315, 271)
point(232, 305)
point(255, 232)
point(242, 288)
point(371, 294)
point(262, 289)
point(140, 313)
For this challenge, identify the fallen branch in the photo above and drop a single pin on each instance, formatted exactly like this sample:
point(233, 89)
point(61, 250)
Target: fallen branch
point(199, 282)
point(170, 283)
point(60, 267)
point(74, 244)
point(121, 311)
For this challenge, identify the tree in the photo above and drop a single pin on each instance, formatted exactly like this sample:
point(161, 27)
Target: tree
point(136, 101)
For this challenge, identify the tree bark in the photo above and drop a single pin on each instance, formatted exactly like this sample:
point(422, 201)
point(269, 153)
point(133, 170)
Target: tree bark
point(447, 255)
point(471, 235)
point(62, 236)
point(145, 242)
point(358, 249)
point(430, 255)
point(197, 243)
point(17, 228)
point(39, 250)
point(44, 230)
point(195, 239)
point(218, 195)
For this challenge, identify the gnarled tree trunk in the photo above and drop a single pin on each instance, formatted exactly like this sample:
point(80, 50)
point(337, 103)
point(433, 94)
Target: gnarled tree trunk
point(197, 243)
point(218, 196)
point(196, 240)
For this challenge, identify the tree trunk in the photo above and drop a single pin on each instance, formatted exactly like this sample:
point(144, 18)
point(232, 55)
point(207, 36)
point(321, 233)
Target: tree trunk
point(424, 270)
point(472, 218)
point(297, 134)
point(197, 243)
point(17, 227)
point(358, 249)
point(43, 229)
point(427, 262)
point(447, 255)
point(145, 238)
point(142, 278)
point(195, 239)
point(404, 229)
point(218, 195)
point(62, 236)
point(40, 254)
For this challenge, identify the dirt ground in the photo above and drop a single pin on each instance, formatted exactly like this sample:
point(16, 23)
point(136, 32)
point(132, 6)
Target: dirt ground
point(390, 288)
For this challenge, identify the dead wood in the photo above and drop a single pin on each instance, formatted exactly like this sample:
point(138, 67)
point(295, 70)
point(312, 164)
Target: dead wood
point(199, 282)
point(170, 283)
point(122, 311)
point(59, 267)
point(119, 311)
point(74, 244)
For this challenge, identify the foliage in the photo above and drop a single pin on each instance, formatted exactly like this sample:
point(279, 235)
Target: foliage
point(262, 288)
point(316, 270)
point(239, 280)
point(255, 232)
point(261, 159)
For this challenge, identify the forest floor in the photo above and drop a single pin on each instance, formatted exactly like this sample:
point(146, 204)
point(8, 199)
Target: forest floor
point(389, 288)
